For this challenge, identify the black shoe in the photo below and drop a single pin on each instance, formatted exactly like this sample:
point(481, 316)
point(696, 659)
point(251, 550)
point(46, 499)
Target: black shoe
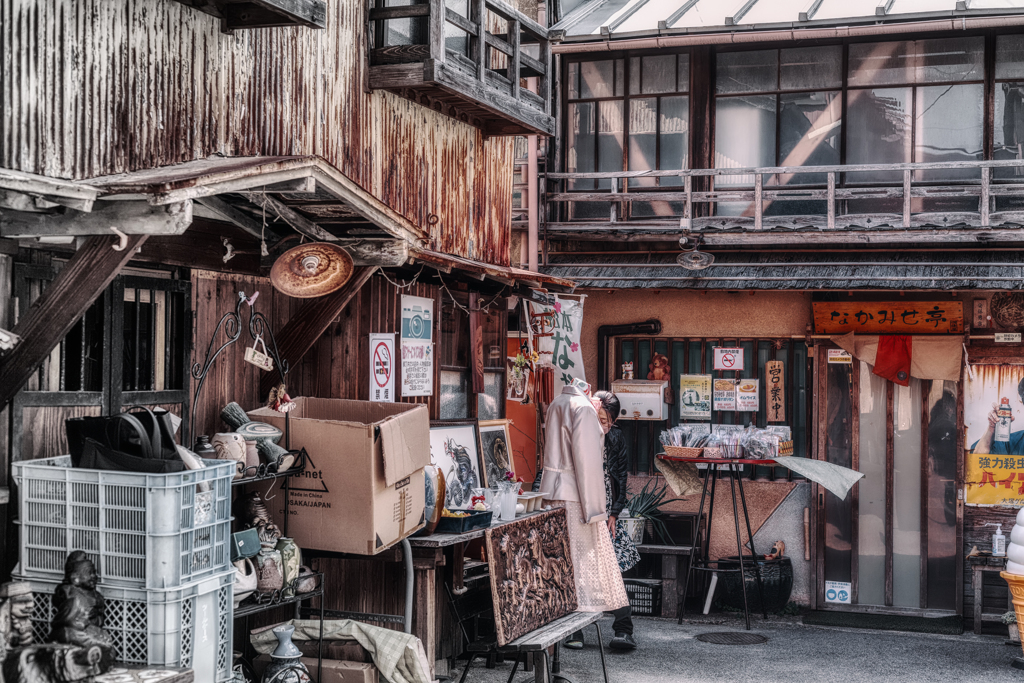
point(622, 641)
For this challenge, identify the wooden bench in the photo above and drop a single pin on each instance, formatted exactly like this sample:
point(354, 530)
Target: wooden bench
point(473, 607)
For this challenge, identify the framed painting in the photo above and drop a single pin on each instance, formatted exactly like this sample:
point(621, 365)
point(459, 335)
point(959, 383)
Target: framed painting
point(532, 579)
point(455, 450)
point(495, 451)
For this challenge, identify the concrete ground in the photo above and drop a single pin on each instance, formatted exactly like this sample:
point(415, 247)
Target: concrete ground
point(794, 653)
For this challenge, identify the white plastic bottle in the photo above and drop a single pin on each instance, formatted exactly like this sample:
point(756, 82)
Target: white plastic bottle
point(998, 542)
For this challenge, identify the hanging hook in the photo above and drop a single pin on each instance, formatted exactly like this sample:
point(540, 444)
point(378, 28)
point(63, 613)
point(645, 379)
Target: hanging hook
point(123, 244)
point(267, 495)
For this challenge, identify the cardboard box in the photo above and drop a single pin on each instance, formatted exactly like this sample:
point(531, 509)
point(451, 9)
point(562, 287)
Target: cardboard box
point(335, 671)
point(362, 490)
point(346, 650)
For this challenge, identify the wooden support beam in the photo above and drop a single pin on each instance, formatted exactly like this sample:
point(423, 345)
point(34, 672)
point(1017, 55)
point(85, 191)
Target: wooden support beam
point(59, 307)
point(134, 217)
point(229, 213)
point(377, 252)
point(301, 332)
point(298, 222)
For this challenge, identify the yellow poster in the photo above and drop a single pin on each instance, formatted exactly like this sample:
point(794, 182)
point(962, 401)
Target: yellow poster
point(694, 397)
point(994, 422)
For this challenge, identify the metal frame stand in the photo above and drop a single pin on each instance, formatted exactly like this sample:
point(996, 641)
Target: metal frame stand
point(735, 480)
point(549, 672)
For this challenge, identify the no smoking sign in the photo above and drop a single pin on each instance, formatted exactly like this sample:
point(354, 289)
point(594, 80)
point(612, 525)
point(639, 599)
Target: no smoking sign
point(382, 367)
point(728, 359)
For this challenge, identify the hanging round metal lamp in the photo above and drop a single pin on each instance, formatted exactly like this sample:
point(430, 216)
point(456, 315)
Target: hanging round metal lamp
point(691, 259)
point(311, 270)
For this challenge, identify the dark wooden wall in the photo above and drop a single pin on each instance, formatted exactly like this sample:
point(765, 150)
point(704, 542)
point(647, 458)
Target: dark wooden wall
point(336, 367)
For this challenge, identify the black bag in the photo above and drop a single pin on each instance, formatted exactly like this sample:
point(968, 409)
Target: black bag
point(96, 456)
point(142, 435)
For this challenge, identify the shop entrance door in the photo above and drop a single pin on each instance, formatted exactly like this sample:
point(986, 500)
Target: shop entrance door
point(891, 545)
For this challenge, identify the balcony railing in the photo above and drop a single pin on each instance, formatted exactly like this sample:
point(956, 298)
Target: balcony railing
point(467, 58)
point(963, 201)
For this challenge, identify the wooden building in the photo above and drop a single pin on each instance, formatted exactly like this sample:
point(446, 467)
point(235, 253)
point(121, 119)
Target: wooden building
point(731, 169)
point(157, 157)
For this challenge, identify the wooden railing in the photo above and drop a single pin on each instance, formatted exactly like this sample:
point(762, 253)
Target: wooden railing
point(760, 188)
point(482, 53)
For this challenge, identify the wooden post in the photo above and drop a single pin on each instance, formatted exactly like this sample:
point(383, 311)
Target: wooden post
point(436, 37)
point(907, 175)
point(688, 209)
point(59, 307)
point(831, 200)
point(301, 332)
point(476, 344)
point(513, 69)
point(481, 40)
point(986, 178)
point(425, 562)
point(758, 200)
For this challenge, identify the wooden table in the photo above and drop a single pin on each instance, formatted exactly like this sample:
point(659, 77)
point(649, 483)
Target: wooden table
point(430, 612)
point(980, 565)
point(702, 562)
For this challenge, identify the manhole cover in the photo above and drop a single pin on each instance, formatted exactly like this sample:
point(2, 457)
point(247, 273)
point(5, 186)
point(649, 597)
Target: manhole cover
point(732, 638)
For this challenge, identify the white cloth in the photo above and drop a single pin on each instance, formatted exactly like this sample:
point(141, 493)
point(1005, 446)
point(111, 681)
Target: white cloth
point(574, 454)
point(599, 586)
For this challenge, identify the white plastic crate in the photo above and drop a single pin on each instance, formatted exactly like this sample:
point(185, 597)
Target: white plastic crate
point(188, 627)
point(142, 531)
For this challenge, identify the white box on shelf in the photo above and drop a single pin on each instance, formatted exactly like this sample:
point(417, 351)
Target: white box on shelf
point(641, 399)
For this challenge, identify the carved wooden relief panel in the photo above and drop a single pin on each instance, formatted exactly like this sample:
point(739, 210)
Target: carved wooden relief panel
point(532, 579)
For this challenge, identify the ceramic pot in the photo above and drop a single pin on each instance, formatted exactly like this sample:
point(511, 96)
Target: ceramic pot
point(291, 562)
point(252, 454)
point(776, 578)
point(268, 569)
point(285, 662)
point(230, 446)
point(308, 581)
point(433, 484)
point(245, 580)
point(203, 448)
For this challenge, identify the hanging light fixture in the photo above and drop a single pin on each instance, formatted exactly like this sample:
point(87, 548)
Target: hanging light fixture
point(691, 259)
point(311, 270)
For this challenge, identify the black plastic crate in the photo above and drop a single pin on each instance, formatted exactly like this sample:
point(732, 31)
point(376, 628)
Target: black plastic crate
point(644, 596)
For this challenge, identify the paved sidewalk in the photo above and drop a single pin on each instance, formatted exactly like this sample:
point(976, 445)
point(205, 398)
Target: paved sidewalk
point(794, 653)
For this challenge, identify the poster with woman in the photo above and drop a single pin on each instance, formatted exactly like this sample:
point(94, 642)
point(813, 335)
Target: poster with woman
point(455, 450)
point(994, 420)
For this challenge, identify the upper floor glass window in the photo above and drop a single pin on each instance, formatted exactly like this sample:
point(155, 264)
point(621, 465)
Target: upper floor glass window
point(915, 101)
point(778, 108)
point(628, 114)
point(1008, 128)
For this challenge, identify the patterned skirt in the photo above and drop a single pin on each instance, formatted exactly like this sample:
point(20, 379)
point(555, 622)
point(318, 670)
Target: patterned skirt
point(599, 586)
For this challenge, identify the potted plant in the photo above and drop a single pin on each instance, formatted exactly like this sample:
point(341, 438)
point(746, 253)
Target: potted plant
point(1010, 619)
point(644, 507)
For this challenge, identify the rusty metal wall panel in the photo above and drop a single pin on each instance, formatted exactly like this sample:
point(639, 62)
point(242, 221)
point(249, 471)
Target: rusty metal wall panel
point(94, 87)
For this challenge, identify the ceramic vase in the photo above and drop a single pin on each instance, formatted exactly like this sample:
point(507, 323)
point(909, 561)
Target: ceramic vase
point(291, 563)
point(308, 581)
point(285, 662)
point(230, 446)
point(252, 455)
point(268, 569)
point(245, 580)
point(203, 448)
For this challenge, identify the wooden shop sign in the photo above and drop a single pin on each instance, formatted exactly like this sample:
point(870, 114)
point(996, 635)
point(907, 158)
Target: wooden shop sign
point(884, 317)
point(775, 391)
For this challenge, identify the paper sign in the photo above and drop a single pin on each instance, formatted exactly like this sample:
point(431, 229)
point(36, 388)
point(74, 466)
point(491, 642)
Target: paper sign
point(382, 367)
point(994, 466)
point(694, 396)
point(838, 591)
point(557, 331)
point(1007, 337)
point(839, 356)
point(747, 394)
point(417, 346)
point(725, 394)
point(728, 359)
point(775, 390)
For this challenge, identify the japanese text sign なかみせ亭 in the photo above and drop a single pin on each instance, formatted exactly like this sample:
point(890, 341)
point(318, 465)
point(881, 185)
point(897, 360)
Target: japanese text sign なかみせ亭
point(885, 317)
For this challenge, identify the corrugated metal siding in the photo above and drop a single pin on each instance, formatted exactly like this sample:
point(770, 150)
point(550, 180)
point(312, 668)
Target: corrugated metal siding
point(94, 87)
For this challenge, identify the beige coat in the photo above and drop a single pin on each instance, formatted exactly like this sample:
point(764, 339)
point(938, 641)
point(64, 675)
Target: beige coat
point(574, 454)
